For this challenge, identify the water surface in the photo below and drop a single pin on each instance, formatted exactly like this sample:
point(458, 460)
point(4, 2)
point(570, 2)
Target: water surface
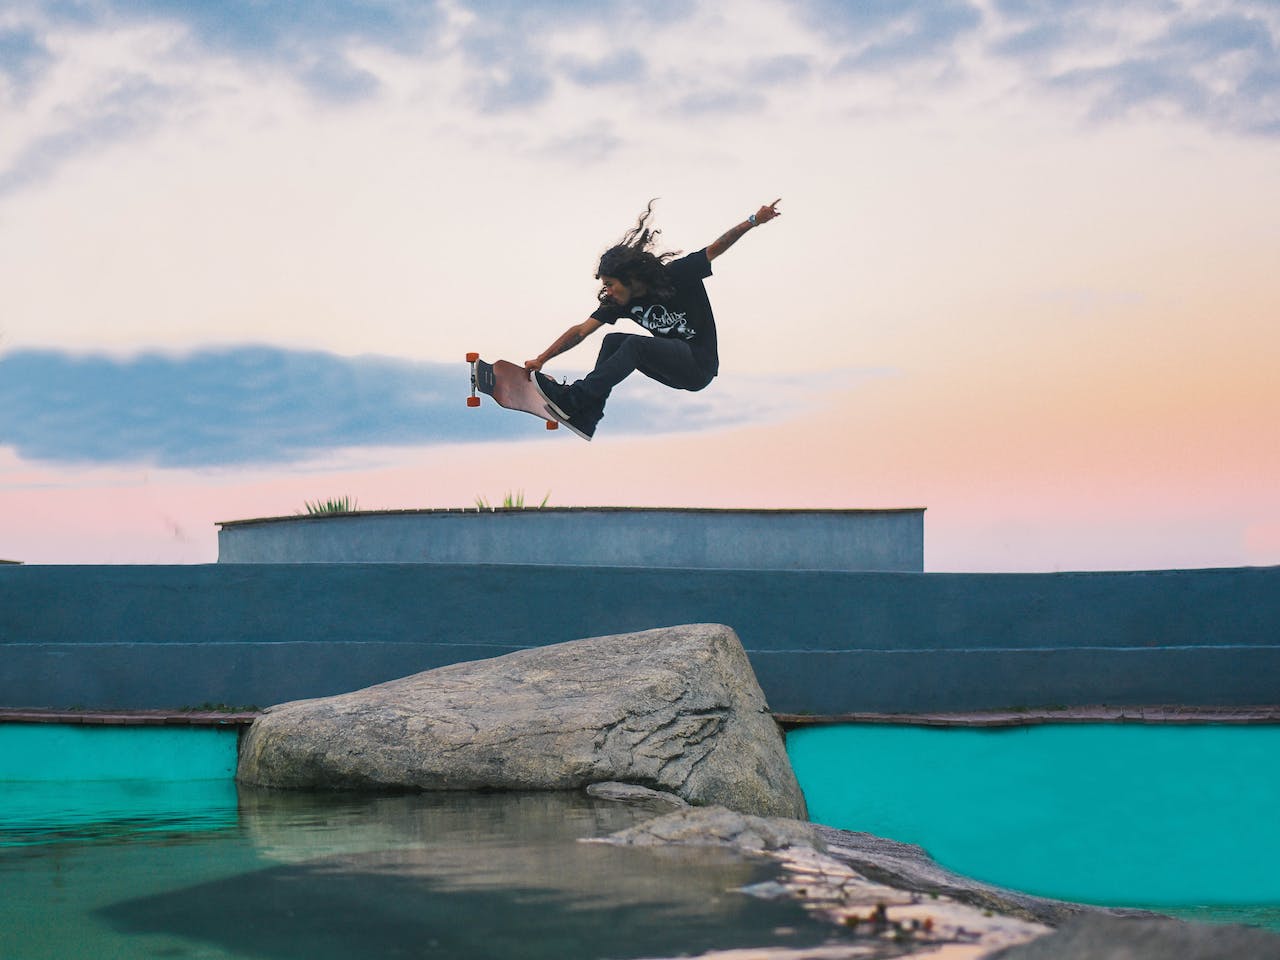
point(280, 876)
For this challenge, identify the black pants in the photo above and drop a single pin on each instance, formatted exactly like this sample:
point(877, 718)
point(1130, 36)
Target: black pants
point(670, 362)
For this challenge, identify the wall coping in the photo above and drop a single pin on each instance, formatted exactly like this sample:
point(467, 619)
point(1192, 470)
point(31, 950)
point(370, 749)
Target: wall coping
point(484, 511)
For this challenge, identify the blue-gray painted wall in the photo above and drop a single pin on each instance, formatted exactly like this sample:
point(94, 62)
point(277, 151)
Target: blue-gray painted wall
point(112, 637)
point(591, 536)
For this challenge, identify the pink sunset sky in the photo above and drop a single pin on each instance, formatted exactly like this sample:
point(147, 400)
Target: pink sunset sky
point(1025, 276)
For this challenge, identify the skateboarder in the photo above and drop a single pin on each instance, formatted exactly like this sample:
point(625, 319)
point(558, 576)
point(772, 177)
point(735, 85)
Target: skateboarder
point(666, 296)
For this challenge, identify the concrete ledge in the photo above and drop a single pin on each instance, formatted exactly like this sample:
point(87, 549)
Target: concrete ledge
point(1233, 716)
point(132, 718)
point(665, 538)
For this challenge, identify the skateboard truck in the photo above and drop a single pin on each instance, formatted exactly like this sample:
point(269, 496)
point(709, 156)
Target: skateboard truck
point(473, 400)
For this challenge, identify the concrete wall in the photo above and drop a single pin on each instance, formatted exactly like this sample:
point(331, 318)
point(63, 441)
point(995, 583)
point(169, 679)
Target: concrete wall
point(821, 642)
point(593, 536)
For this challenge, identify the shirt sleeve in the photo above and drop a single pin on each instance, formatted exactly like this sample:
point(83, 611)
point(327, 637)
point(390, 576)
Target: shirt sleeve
point(606, 313)
point(693, 266)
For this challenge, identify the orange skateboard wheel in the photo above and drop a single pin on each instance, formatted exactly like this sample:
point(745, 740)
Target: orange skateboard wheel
point(473, 401)
point(552, 425)
point(472, 357)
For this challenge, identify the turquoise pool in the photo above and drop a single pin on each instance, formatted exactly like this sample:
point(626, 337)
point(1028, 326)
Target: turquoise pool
point(1178, 817)
point(164, 867)
point(54, 752)
point(59, 781)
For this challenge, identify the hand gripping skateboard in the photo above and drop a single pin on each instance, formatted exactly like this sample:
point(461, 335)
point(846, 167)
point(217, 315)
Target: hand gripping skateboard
point(509, 385)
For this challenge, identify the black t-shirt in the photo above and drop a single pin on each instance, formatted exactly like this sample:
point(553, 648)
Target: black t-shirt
point(686, 315)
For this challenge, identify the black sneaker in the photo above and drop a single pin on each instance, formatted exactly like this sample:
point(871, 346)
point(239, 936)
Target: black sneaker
point(569, 405)
point(555, 394)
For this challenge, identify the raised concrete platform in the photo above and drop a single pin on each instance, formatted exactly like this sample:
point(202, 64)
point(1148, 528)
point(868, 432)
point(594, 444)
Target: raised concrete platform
point(664, 538)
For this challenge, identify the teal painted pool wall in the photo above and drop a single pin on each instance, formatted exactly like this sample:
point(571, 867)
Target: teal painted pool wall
point(825, 643)
point(1143, 815)
point(64, 753)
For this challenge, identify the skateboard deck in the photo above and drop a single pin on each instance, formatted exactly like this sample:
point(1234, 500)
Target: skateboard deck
point(510, 386)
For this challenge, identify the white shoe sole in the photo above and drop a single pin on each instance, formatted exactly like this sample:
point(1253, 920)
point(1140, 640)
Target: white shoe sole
point(555, 415)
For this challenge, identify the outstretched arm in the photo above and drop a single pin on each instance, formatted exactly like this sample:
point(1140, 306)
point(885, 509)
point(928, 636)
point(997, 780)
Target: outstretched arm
point(566, 341)
point(733, 234)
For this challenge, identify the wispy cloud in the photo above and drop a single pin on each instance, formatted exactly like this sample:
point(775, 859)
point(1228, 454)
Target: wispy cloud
point(231, 406)
point(625, 66)
point(126, 107)
point(1214, 66)
point(23, 56)
point(884, 34)
point(266, 405)
point(313, 41)
point(1218, 65)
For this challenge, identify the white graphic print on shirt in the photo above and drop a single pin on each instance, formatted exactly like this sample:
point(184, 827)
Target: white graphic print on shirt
point(658, 319)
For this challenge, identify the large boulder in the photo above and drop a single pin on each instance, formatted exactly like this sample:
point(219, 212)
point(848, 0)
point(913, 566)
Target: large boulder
point(676, 709)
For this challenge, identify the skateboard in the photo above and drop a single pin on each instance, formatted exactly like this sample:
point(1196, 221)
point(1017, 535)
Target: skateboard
point(510, 386)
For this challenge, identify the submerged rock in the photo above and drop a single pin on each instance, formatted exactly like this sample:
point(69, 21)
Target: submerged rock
point(719, 827)
point(676, 709)
point(642, 797)
point(874, 919)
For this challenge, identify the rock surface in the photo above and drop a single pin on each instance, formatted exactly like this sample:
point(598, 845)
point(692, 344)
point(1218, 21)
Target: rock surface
point(873, 919)
point(676, 709)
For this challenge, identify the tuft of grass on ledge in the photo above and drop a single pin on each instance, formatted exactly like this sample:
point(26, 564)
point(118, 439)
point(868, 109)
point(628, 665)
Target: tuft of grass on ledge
point(514, 500)
point(340, 505)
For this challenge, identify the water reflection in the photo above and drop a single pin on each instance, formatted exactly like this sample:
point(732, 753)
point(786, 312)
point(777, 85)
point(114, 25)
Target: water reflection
point(441, 875)
point(35, 812)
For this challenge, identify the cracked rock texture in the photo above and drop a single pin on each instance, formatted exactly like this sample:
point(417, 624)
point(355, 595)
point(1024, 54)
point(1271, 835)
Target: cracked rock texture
point(676, 709)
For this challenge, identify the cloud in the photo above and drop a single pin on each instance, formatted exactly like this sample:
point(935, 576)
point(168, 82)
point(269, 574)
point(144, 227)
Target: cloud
point(619, 67)
point(123, 109)
point(886, 34)
point(266, 405)
point(719, 102)
point(769, 71)
point(232, 406)
point(311, 40)
point(1213, 64)
point(23, 56)
point(1218, 69)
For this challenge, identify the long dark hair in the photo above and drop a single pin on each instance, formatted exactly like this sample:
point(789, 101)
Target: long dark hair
point(632, 259)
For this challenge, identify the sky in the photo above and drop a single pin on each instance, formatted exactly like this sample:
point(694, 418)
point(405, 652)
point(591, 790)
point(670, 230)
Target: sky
point(1024, 276)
